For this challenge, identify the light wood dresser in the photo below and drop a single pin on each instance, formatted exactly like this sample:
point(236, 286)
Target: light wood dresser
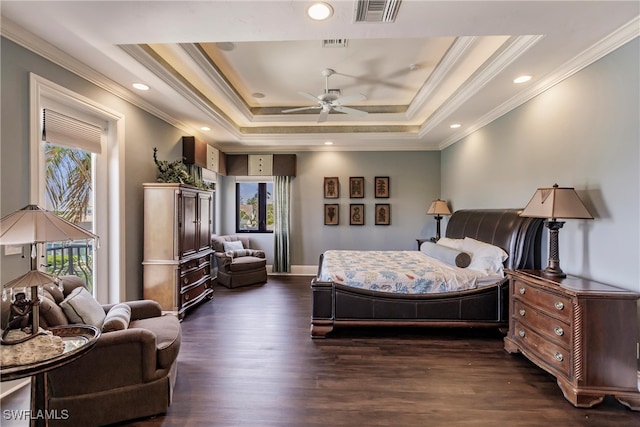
point(582, 332)
point(177, 263)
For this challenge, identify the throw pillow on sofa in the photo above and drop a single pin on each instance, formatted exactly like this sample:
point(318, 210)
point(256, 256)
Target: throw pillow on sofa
point(118, 318)
point(81, 307)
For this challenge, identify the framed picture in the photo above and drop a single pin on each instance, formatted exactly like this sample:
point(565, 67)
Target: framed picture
point(331, 214)
point(356, 187)
point(381, 187)
point(383, 214)
point(331, 187)
point(356, 214)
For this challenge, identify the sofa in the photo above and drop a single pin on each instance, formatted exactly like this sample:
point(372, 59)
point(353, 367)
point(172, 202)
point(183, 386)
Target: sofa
point(130, 372)
point(238, 264)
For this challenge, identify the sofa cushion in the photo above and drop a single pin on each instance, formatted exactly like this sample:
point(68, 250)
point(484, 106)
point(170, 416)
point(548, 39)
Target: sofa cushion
point(51, 314)
point(168, 336)
point(117, 318)
point(55, 292)
point(81, 307)
point(247, 263)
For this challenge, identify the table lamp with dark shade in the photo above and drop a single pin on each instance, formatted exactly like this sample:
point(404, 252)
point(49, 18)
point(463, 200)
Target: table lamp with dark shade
point(438, 208)
point(33, 225)
point(553, 203)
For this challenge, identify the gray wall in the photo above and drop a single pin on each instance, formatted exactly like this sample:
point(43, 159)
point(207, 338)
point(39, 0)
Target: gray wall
point(414, 181)
point(142, 132)
point(582, 133)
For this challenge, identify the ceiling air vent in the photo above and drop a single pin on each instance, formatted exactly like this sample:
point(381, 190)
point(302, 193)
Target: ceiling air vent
point(377, 10)
point(334, 43)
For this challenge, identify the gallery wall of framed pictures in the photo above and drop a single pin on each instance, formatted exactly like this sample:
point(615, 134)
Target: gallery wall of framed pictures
point(357, 190)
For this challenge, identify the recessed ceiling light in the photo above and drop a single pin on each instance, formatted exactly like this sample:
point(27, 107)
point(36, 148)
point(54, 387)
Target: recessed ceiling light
point(258, 95)
point(140, 86)
point(522, 79)
point(455, 126)
point(319, 11)
point(328, 143)
point(205, 128)
point(226, 46)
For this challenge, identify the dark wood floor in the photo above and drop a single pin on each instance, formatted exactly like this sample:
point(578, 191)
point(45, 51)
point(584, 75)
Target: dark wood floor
point(247, 360)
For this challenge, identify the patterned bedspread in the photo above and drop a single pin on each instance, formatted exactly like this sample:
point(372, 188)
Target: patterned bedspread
point(404, 272)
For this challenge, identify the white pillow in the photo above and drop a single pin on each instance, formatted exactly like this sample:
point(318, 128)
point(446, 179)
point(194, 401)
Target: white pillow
point(485, 257)
point(446, 254)
point(81, 307)
point(233, 246)
point(451, 243)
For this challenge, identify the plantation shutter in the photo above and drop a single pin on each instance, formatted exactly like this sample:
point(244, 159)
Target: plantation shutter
point(60, 129)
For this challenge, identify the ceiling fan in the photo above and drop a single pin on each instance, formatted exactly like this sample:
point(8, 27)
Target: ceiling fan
point(330, 100)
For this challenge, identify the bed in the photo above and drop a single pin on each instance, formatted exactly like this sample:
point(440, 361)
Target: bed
point(485, 304)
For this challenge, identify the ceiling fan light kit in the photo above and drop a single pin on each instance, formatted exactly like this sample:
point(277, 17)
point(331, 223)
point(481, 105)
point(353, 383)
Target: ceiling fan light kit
point(330, 100)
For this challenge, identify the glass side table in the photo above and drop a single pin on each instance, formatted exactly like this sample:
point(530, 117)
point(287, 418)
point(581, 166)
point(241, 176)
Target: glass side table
point(77, 340)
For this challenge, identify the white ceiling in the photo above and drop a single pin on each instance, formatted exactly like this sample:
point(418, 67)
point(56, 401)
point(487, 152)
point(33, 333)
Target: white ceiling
point(440, 62)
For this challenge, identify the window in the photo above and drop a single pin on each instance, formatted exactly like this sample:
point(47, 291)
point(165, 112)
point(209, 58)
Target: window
point(254, 207)
point(78, 137)
point(69, 183)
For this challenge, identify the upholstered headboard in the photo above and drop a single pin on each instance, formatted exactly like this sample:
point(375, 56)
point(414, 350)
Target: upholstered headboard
point(519, 236)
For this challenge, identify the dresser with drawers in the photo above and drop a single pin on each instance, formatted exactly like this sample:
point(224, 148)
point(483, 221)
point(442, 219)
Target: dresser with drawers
point(582, 332)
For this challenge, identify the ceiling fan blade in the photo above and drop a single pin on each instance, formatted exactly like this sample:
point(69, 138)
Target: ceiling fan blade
point(343, 109)
point(309, 96)
point(291, 110)
point(323, 115)
point(349, 99)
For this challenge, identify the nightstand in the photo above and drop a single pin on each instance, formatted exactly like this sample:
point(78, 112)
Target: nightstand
point(582, 332)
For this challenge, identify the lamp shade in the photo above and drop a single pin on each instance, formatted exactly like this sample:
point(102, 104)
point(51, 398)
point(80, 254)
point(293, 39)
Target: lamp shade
point(556, 202)
point(438, 207)
point(32, 278)
point(32, 224)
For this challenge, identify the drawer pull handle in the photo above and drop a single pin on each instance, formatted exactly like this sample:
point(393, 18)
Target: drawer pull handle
point(559, 305)
point(521, 333)
point(522, 312)
point(185, 280)
point(522, 290)
point(559, 331)
point(186, 297)
point(559, 357)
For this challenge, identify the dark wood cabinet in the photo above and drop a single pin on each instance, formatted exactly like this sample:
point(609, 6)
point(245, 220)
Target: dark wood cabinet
point(177, 245)
point(583, 332)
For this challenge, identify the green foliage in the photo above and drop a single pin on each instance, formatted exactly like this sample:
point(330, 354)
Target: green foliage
point(178, 172)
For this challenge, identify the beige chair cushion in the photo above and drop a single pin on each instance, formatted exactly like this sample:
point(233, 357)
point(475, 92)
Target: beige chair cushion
point(168, 336)
point(247, 263)
point(81, 307)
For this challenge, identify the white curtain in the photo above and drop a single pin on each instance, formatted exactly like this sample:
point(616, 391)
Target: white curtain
point(281, 204)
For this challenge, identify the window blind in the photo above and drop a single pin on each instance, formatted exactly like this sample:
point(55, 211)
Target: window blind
point(60, 129)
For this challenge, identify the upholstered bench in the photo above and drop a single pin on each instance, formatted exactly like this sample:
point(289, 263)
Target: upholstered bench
point(238, 264)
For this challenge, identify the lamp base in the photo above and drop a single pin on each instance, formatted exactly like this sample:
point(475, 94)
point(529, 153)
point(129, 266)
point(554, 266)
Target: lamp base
point(554, 272)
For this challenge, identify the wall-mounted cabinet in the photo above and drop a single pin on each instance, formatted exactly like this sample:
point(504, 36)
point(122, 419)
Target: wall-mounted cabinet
point(261, 164)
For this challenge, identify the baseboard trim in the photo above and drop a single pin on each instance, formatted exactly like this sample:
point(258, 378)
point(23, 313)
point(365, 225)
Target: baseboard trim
point(13, 386)
point(296, 270)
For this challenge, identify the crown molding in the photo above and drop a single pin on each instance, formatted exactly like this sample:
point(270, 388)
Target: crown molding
point(30, 41)
point(518, 46)
point(613, 41)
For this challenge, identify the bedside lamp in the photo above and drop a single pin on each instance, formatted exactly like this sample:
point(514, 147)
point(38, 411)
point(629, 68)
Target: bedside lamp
point(552, 203)
point(33, 225)
point(438, 208)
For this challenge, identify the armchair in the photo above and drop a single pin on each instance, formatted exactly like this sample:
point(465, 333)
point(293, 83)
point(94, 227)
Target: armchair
point(130, 373)
point(238, 264)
